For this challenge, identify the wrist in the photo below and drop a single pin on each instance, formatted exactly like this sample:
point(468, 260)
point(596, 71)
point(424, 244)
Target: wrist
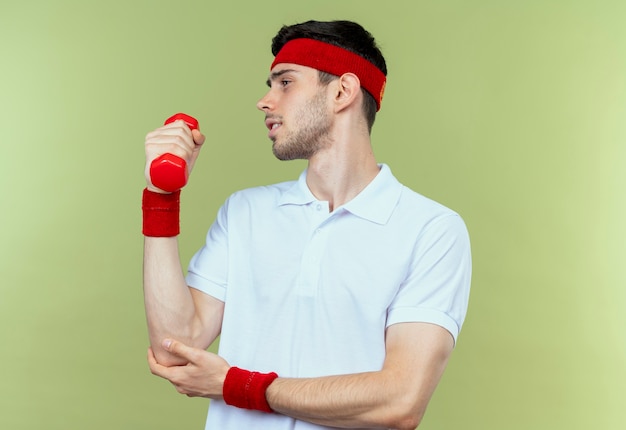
point(245, 389)
point(161, 213)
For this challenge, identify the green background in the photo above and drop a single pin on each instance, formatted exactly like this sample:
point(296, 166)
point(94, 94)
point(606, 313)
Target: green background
point(512, 113)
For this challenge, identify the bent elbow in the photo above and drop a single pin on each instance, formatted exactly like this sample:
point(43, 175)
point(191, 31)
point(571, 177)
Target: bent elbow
point(406, 416)
point(407, 422)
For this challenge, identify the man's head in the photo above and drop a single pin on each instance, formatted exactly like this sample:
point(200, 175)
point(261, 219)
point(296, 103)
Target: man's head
point(340, 41)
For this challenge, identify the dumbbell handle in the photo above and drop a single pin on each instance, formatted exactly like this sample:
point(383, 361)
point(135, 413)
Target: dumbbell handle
point(169, 172)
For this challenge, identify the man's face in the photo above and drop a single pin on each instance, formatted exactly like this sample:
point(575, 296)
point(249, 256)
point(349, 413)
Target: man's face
point(296, 112)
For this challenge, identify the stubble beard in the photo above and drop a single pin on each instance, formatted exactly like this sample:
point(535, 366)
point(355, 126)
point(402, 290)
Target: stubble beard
point(312, 134)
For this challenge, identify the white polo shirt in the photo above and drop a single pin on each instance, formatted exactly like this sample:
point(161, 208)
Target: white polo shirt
point(310, 293)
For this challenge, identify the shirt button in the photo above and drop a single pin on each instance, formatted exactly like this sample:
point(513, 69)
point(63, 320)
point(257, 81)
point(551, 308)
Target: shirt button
point(318, 207)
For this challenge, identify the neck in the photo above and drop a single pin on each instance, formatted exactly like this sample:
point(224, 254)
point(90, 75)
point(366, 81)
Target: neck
point(339, 172)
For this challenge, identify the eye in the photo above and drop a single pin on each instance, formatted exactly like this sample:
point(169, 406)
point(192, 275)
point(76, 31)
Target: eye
point(285, 82)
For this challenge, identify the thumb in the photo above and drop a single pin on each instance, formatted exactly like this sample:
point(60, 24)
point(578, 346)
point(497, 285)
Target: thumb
point(179, 349)
point(198, 137)
point(198, 140)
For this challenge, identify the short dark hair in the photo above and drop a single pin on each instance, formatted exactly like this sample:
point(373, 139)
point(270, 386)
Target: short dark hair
point(345, 34)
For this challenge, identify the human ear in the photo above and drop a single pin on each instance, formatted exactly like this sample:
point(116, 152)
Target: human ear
point(348, 89)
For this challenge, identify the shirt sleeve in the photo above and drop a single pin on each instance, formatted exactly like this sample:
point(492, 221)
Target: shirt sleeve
point(436, 289)
point(208, 268)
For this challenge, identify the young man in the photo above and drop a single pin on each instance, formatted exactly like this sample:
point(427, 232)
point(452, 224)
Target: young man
point(339, 296)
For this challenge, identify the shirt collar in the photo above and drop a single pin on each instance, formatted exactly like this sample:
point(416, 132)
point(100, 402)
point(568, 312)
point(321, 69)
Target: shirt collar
point(298, 193)
point(378, 200)
point(375, 203)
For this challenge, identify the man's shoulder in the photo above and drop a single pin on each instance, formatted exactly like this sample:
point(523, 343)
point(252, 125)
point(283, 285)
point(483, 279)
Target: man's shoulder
point(412, 200)
point(261, 193)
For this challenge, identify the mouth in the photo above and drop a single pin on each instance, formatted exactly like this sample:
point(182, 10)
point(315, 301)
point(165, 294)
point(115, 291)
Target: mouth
point(272, 125)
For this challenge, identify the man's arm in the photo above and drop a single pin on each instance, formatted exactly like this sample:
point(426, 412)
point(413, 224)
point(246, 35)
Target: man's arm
point(394, 397)
point(172, 308)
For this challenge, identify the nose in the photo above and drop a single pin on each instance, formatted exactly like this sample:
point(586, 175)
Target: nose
point(264, 104)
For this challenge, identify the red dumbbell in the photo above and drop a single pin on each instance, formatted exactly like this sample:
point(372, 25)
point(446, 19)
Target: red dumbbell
point(169, 172)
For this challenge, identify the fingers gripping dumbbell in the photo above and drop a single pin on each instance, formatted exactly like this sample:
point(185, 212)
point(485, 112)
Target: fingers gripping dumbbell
point(168, 171)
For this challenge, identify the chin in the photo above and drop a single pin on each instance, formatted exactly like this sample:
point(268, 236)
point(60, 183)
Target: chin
point(283, 157)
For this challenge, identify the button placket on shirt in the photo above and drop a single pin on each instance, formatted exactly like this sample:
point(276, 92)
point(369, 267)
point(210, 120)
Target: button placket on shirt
point(314, 251)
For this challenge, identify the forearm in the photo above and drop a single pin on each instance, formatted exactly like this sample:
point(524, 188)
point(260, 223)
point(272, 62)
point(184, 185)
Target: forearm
point(170, 309)
point(372, 400)
point(395, 397)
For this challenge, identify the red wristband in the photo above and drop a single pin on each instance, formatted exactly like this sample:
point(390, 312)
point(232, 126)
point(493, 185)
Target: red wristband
point(161, 214)
point(246, 390)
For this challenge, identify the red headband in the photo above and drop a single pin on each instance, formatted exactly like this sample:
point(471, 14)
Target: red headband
point(334, 60)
